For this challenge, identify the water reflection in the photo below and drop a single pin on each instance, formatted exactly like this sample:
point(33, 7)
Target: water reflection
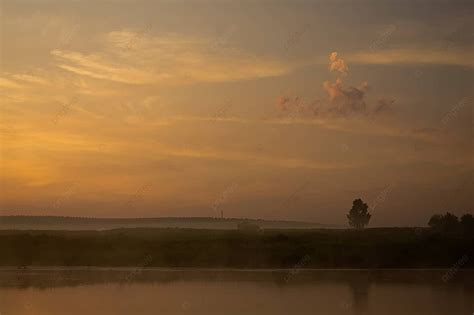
point(360, 285)
point(114, 291)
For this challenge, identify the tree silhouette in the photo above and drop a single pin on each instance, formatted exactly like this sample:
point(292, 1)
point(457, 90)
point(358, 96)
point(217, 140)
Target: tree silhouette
point(358, 215)
point(446, 223)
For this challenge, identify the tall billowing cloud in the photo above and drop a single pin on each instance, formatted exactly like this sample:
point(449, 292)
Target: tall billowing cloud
point(345, 101)
point(341, 100)
point(337, 64)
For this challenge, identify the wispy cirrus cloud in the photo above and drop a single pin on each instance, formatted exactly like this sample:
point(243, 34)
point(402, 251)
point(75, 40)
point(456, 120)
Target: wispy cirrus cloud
point(414, 56)
point(7, 83)
point(96, 66)
point(256, 159)
point(30, 78)
point(140, 58)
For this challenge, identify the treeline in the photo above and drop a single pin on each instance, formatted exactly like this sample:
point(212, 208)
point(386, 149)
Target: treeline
point(449, 223)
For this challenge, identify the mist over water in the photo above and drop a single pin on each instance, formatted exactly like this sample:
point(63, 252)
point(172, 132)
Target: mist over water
point(265, 292)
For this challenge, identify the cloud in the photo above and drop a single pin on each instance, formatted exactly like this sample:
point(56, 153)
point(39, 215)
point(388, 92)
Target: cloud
point(30, 78)
point(294, 107)
point(141, 58)
point(250, 158)
point(6, 83)
point(337, 64)
point(96, 66)
point(341, 101)
point(345, 101)
point(414, 56)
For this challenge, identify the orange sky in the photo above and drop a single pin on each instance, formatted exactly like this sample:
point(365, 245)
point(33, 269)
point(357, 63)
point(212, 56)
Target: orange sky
point(277, 111)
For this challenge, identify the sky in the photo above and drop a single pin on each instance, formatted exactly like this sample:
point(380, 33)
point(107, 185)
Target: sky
point(283, 110)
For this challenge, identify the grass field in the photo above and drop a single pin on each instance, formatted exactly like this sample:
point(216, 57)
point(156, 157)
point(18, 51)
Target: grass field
point(316, 248)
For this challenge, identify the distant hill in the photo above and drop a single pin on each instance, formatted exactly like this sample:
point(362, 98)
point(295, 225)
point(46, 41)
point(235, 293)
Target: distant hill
point(81, 223)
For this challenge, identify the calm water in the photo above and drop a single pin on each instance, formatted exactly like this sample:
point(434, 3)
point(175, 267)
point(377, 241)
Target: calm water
point(138, 291)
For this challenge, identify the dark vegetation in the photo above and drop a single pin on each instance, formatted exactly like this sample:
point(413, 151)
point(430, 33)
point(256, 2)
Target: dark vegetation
point(247, 248)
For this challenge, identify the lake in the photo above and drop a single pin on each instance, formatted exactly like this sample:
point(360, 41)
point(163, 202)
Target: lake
point(299, 291)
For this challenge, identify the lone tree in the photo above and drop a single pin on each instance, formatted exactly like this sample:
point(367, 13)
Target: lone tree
point(358, 215)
